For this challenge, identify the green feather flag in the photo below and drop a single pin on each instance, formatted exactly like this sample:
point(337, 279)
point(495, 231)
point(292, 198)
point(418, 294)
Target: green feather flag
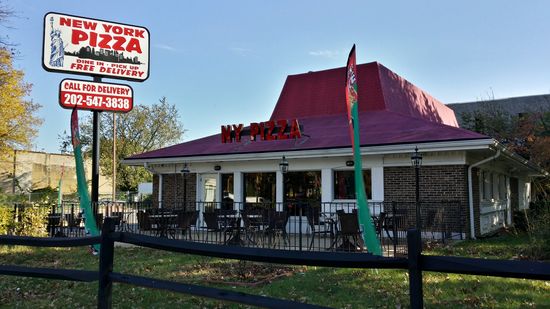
point(85, 203)
point(365, 221)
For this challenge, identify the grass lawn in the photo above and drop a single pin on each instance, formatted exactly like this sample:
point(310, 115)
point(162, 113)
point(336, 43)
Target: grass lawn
point(340, 288)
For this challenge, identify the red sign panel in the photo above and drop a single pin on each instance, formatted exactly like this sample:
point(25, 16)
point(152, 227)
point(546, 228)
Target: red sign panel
point(95, 96)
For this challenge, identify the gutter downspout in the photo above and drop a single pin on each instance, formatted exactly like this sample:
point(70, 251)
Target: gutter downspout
point(470, 192)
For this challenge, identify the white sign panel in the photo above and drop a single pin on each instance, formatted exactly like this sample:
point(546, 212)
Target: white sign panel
point(79, 45)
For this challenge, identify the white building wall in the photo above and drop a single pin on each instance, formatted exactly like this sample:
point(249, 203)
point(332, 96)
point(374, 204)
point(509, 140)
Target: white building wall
point(326, 165)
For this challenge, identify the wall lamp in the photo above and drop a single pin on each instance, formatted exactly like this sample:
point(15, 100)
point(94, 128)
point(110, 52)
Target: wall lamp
point(283, 166)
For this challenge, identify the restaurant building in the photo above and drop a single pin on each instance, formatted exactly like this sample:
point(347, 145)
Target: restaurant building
point(464, 175)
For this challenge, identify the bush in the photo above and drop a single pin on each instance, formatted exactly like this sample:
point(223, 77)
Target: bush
point(32, 222)
point(520, 220)
point(536, 222)
point(6, 220)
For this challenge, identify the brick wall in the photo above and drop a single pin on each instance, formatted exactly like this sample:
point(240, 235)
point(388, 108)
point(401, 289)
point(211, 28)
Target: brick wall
point(438, 184)
point(172, 189)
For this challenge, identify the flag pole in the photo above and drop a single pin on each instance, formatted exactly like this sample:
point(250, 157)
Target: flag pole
point(364, 217)
point(85, 202)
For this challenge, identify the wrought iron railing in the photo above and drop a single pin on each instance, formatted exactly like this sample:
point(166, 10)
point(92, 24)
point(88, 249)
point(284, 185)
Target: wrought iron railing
point(301, 226)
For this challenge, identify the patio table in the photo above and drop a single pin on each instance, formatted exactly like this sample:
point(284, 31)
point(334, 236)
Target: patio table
point(164, 223)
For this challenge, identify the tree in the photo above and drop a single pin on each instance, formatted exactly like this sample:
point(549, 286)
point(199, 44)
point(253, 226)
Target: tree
point(143, 129)
point(6, 13)
point(18, 120)
point(527, 134)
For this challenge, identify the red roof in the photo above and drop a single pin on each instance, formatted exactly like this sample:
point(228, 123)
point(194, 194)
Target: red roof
point(391, 111)
point(322, 93)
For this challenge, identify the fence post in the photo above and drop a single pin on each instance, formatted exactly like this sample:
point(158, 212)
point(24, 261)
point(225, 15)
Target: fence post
point(394, 228)
point(299, 226)
point(105, 289)
point(414, 244)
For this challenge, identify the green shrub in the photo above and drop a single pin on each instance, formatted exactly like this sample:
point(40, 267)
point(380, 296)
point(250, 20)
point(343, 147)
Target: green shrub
point(538, 229)
point(32, 222)
point(520, 220)
point(6, 220)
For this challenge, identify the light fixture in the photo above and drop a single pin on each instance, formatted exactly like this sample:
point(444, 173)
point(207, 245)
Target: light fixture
point(284, 165)
point(416, 158)
point(217, 167)
point(185, 169)
point(350, 163)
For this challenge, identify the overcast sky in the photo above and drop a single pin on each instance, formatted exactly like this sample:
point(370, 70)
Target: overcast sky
point(225, 62)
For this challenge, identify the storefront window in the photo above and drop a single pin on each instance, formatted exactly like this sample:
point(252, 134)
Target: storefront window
point(344, 184)
point(301, 189)
point(259, 187)
point(227, 191)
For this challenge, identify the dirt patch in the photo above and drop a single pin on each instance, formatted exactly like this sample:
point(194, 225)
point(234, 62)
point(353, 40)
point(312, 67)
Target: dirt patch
point(240, 273)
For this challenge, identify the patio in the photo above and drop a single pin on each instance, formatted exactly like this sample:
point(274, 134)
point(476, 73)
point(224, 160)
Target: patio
point(289, 226)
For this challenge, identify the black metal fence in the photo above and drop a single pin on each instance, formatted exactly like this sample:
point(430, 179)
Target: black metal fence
point(302, 226)
point(416, 263)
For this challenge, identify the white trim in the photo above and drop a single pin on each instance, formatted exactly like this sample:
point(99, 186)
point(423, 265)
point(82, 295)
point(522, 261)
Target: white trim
point(238, 187)
point(160, 191)
point(327, 181)
point(331, 152)
point(279, 190)
point(377, 181)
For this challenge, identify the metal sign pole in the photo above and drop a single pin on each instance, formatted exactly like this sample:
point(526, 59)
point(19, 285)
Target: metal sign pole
point(95, 154)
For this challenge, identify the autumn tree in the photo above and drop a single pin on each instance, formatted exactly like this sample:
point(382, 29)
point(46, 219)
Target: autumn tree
point(143, 129)
point(527, 134)
point(18, 120)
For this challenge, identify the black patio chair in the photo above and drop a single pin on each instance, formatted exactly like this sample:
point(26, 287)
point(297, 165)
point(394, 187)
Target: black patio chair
point(73, 224)
point(317, 224)
point(349, 228)
point(434, 222)
point(382, 224)
point(99, 220)
point(118, 218)
point(212, 225)
point(277, 228)
point(183, 222)
point(54, 225)
point(254, 222)
point(144, 222)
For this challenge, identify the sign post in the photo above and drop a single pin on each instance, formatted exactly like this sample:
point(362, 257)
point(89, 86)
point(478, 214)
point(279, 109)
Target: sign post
point(95, 154)
point(98, 48)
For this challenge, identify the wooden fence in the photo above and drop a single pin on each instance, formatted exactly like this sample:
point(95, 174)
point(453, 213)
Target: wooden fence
point(416, 263)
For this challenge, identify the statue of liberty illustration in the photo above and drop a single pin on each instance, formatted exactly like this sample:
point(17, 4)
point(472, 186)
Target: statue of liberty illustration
point(57, 50)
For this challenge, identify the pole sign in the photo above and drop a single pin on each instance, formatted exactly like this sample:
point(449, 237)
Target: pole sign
point(108, 97)
point(80, 45)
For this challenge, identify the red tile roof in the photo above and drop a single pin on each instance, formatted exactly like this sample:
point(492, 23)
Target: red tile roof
point(391, 111)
